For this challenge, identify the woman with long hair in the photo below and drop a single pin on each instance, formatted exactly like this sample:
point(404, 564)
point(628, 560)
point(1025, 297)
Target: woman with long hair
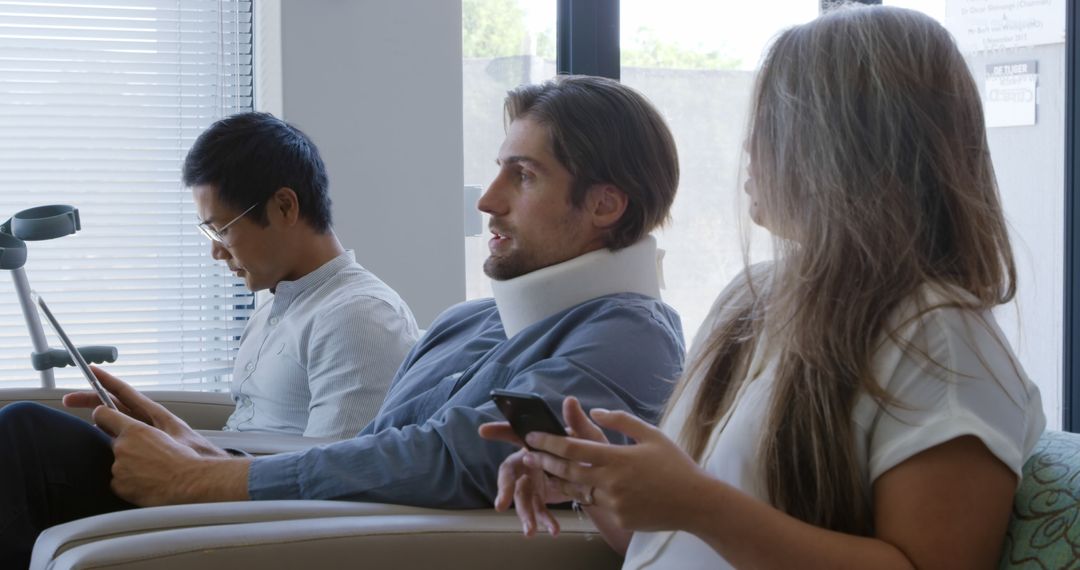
point(852, 403)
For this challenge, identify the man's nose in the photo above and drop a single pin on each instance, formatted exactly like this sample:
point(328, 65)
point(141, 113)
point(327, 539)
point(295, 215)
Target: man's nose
point(491, 202)
point(219, 251)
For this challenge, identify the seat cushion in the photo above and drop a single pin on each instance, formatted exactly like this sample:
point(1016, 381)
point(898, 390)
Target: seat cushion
point(1044, 531)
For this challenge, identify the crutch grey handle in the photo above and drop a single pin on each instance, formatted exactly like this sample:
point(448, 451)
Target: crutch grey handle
point(59, 358)
point(12, 252)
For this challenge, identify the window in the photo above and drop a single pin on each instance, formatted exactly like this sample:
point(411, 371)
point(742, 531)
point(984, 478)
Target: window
point(697, 64)
point(99, 103)
point(505, 43)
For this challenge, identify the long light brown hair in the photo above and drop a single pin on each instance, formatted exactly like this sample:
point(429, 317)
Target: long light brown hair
point(869, 153)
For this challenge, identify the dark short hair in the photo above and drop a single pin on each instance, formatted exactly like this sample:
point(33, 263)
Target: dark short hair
point(604, 132)
point(247, 157)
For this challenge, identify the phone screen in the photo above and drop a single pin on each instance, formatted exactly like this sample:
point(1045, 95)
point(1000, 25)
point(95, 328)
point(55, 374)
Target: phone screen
point(527, 413)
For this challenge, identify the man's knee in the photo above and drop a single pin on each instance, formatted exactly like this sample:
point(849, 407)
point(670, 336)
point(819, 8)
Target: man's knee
point(25, 425)
point(21, 415)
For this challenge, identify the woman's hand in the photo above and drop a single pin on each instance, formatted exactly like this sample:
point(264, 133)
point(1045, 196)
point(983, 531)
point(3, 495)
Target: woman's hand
point(527, 487)
point(650, 485)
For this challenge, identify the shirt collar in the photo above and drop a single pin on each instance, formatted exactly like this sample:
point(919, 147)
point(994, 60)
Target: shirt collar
point(530, 298)
point(287, 291)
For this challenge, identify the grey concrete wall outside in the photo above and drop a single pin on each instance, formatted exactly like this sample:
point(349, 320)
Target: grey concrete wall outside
point(707, 113)
point(378, 88)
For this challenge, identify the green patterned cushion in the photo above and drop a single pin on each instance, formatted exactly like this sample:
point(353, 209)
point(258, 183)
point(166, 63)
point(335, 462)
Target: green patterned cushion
point(1044, 532)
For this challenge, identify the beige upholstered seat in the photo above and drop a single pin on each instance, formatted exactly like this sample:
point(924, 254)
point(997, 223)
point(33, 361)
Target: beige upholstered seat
point(300, 534)
point(315, 534)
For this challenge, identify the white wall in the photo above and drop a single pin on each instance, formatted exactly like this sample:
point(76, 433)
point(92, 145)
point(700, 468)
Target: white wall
point(377, 85)
point(1029, 162)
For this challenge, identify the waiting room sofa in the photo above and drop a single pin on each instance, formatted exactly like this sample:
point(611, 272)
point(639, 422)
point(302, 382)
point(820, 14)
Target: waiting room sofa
point(1044, 532)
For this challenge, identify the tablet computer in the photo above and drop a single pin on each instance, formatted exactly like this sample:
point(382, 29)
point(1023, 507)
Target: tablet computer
point(76, 357)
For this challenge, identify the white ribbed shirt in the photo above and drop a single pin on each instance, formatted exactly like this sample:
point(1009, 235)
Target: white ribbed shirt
point(318, 358)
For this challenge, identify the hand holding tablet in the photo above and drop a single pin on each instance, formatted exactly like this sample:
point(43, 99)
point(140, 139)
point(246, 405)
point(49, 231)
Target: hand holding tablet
point(76, 357)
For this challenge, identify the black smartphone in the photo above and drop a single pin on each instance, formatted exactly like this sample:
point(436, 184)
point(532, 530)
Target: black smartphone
point(527, 413)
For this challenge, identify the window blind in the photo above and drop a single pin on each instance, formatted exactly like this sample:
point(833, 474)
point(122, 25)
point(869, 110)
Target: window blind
point(99, 103)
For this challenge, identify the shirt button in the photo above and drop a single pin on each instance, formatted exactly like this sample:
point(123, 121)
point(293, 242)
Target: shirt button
point(274, 321)
point(250, 366)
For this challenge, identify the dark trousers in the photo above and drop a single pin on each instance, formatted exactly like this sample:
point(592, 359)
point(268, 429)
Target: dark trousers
point(54, 468)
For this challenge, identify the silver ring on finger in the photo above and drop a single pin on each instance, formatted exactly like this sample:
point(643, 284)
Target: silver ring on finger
point(588, 500)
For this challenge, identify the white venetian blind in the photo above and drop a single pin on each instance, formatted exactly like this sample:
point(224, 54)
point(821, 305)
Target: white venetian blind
point(99, 103)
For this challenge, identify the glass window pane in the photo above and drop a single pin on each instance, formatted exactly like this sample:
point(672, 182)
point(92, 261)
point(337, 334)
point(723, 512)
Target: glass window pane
point(505, 43)
point(697, 64)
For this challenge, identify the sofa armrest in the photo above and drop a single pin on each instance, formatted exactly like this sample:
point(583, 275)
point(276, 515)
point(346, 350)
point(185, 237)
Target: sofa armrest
point(206, 412)
point(260, 443)
point(59, 538)
point(318, 534)
point(201, 410)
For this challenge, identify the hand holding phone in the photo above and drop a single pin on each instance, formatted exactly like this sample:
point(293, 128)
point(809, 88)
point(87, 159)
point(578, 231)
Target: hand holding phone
point(527, 413)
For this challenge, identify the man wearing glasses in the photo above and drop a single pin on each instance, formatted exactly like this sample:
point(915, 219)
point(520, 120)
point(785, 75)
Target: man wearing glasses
point(317, 358)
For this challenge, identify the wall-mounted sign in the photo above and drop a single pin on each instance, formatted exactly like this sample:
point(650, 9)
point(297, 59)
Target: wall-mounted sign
point(987, 25)
point(1011, 93)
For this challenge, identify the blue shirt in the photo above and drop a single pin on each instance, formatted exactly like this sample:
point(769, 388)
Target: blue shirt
point(620, 352)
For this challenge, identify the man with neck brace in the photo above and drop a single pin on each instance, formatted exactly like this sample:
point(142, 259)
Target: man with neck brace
point(587, 169)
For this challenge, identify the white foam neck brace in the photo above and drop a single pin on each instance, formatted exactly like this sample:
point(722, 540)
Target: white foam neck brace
point(530, 298)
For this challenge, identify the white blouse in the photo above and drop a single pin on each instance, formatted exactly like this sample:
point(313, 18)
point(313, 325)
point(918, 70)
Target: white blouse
point(981, 391)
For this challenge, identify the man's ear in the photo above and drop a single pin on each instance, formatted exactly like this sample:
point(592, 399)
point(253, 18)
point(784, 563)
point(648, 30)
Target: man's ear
point(285, 206)
point(607, 204)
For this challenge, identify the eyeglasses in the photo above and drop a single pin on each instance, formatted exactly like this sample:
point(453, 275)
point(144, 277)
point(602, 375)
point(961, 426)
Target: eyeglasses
point(215, 234)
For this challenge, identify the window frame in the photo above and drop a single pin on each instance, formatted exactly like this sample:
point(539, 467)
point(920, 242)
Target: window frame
point(587, 33)
point(1070, 366)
